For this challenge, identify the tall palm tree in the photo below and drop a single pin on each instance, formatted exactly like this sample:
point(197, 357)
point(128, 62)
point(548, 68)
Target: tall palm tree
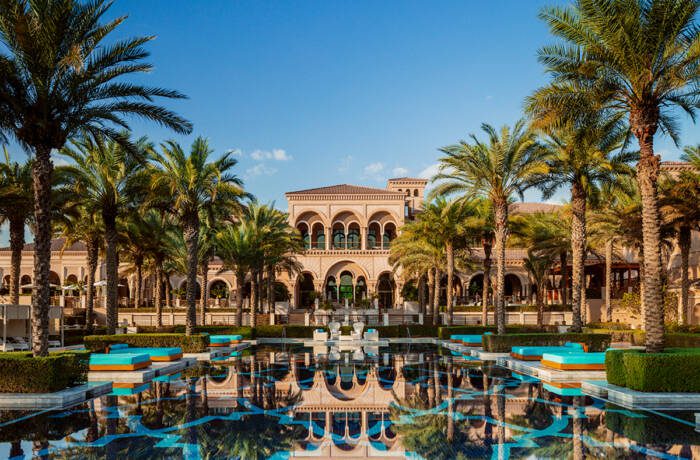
point(85, 225)
point(680, 208)
point(16, 200)
point(59, 76)
point(195, 184)
point(584, 155)
point(638, 58)
point(237, 248)
point(135, 245)
point(444, 221)
point(498, 168)
point(108, 178)
point(538, 266)
point(482, 222)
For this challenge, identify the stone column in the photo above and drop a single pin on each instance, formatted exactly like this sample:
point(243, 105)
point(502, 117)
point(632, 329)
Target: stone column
point(363, 238)
point(329, 237)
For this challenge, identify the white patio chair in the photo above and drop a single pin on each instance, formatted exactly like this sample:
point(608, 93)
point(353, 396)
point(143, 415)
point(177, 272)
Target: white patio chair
point(372, 335)
point(19, 343)
point(334, 327)
point(357, 329)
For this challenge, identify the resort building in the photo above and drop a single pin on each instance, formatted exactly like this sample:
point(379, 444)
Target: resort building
point(347, 232)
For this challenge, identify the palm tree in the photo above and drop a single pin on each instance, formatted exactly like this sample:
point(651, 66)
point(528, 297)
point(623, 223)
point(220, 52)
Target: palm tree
point(236, 246)
point(59, 76)
point(16, 200)
point(85, 225)
point(444, 222)
point(680, 208)
point(107, 178)
point(637, 58)
point(135, 245)
point(538, 266)
point(195, 185)
point(582, 155)
point(499, 168)
point(482, 222)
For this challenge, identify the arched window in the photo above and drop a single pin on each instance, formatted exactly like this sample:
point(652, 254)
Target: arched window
point(338, 236)
point(353, 238)
point(361, 289)
point(385, 291)
point(389, 235)
point(305, 236)
point(319, 237)
point(346, 289)
point(373, 232)
point(331, 289)
point(415, 192)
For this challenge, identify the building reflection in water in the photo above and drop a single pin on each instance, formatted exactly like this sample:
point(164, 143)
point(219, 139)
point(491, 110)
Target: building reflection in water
point(360, 403)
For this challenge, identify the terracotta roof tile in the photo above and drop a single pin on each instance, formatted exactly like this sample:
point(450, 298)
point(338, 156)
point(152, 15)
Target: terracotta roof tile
point(56, 245)
point(345, 189)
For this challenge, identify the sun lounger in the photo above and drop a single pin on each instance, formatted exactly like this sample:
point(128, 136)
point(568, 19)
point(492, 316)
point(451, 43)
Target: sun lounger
point(19, 343)
point(468, 340)
point(534, 353)
point(579, 361)
point(118, 361)
point(563, 388)
point(224, 340)
point(159, 354)
point(320, 335)
point(372, 335)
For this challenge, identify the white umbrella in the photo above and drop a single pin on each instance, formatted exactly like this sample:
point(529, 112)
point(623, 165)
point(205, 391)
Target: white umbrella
point(31, 286)
point(104, 283)
point(71, 287)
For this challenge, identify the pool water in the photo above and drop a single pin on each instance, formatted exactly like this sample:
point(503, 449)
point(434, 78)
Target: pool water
point(307, 403)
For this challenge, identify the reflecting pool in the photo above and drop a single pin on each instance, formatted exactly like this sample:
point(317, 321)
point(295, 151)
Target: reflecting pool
point(417, 402)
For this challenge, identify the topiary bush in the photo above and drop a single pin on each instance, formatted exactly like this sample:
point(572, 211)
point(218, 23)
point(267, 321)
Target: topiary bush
point(674, 370)
point(22, 373)
point(503, 343)
point(649, 428)
point(196, 343)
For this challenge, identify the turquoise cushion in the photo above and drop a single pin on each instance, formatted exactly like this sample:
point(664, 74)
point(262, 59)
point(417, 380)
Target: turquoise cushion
point(574, 345)
point(118, 346)
point(469, 338)
point(162, 351)
point(224, 338)
point(539, 351)
point(562, 391)
point(575, 358)
point(371, 330)
point(118, 358)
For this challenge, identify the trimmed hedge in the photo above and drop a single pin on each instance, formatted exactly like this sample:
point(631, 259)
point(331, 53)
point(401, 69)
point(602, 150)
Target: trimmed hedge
point(445, 332)
point(503, 343)
point(611, 326)
point(244, 331)
point(674, 370)
point(649, 428)
point(22, 373)
point(190, 344)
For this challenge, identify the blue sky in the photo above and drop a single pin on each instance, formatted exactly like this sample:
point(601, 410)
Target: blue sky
point(318, 93)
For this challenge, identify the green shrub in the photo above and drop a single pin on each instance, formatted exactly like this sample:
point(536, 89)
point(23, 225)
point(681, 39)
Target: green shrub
point(281, 330)
point(611, 326)
point(196, 343)
point(674, 370)
point(648, 428)
point(445, 332)
point(22, 373)
point(503, 343)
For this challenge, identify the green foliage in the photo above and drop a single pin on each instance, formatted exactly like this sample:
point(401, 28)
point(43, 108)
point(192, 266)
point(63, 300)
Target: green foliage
point(648, 428)
point(674, 370)
point(195, 343)
point(612, 326)
point(447, 331)
point(503, 343)
point(514, 308)
point(21, 373)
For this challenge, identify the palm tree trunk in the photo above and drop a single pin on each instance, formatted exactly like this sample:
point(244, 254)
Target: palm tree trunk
point(138, 298)
point(16, 246)
point(564, 263)
point(539, 300)
point(421, 294)
point(253, 298)
point(431, 291)
point(501, 233)
point(205, 291)
point(270, 289)
point(644, 125)
point(449, 250)
point(486, 285)
point(450, 406)
point(41, 174)
point(578, 252)
point(159, 293)
point(168, 290)
point(110, 223)
point(436, 297)
point(684, 245)
point(92, 246)
point(240, 281)
point(191, 234)
point(608, 280)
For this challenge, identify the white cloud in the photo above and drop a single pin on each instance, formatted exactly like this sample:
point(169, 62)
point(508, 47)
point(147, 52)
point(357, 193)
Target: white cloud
point(399, 171)
point(235, 151)
point(61, 161)
point(374, 168)
point(260, 169)
point(429, 172)
point(274, 154)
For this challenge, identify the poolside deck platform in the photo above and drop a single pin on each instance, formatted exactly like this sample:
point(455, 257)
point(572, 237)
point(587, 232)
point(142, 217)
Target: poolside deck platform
point(632, 399)
point(536, 369)
point(56, 400)
point(218, 352)
point(141, 376)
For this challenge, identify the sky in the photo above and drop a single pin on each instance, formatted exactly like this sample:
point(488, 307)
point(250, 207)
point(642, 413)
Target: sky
point(309, 93)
